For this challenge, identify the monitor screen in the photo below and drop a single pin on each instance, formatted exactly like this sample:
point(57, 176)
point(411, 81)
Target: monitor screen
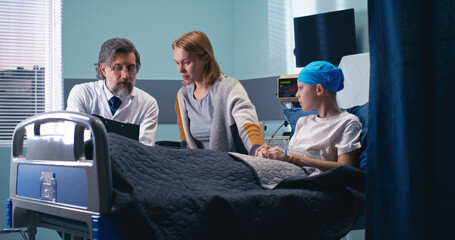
point(287, 88)
point(324, 37)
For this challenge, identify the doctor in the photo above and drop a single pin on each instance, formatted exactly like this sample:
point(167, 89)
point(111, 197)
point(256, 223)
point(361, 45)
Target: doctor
point(114, 95)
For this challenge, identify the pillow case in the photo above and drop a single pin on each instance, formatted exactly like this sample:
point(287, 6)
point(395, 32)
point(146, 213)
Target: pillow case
point(361, 111)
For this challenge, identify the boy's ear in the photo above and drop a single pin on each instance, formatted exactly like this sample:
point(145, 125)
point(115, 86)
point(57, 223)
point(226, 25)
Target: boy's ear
point(320, 89)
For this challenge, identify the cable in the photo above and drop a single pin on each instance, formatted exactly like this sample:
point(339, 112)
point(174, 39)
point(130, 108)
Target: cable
point(285, 123)
point(283, 105)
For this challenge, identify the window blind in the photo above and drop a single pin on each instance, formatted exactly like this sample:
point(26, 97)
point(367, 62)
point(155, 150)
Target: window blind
point(30, 61)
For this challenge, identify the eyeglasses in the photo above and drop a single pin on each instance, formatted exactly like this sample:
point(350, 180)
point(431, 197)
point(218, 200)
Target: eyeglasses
point(118, 69)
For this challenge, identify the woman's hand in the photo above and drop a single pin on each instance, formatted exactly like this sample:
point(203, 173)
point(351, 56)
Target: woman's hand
point(262, 151)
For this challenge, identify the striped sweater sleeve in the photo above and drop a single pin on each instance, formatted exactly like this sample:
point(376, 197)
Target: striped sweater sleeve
point(245, 117)
point(179, 119)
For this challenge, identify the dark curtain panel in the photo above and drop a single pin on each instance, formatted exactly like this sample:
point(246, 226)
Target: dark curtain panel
point(411, 157)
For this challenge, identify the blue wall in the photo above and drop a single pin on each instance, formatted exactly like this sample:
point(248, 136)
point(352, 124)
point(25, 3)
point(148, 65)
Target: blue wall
point(251, 38)
point(151, 25)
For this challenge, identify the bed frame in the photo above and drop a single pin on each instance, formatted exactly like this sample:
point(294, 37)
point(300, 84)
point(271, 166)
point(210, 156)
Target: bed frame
point(50, 199)
point(42, 188)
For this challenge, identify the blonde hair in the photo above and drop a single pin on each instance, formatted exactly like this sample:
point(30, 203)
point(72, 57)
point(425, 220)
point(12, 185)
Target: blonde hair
point(197, 43)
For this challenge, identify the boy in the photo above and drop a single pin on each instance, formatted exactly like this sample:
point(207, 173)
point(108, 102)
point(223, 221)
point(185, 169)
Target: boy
point(329, 139)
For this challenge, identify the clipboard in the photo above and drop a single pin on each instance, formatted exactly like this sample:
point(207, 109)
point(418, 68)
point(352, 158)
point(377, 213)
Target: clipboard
point(128, 130)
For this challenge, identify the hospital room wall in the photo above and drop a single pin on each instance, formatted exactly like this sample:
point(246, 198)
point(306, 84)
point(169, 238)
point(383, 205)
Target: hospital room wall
point(264, 33)
point(251, 39)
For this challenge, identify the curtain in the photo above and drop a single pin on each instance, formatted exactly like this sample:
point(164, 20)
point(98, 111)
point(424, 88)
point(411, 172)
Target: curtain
point(411, 157)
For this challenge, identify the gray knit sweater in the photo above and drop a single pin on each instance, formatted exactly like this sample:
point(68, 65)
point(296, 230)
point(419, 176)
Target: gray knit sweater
point(235, 125)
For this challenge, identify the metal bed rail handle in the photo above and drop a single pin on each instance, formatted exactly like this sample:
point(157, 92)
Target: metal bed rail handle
point(100, 170)
point(81, 119)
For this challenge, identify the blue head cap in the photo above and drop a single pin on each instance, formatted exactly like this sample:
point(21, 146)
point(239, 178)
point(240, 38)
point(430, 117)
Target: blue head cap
point(321, 72)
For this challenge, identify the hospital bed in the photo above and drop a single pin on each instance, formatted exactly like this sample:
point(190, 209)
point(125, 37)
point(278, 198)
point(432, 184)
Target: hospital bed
point(127, 190)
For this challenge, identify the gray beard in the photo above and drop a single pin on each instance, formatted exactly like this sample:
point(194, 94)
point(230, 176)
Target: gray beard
point(123, 90)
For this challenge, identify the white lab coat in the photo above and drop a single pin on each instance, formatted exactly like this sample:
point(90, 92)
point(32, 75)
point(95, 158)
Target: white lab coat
point(138, 108)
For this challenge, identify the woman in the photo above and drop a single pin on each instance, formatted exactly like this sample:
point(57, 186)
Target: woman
point(213, 110)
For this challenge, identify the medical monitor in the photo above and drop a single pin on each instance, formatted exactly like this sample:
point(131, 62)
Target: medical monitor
point(325, 36)
point(287, 88)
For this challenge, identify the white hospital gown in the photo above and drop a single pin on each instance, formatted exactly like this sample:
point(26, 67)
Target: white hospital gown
point(326, 138)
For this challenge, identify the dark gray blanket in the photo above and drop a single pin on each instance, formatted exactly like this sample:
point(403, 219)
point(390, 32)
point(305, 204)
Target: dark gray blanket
point(162, 193)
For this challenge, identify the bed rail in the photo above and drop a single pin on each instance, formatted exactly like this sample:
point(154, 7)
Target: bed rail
point(50, 173)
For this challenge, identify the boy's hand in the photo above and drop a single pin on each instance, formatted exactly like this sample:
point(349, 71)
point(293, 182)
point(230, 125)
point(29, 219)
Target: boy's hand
point(276, 153)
